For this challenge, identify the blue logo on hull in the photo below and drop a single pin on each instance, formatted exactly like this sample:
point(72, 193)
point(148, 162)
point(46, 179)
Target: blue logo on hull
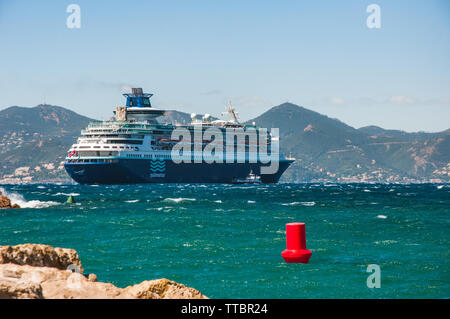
point(157, 165)
point(158, 168)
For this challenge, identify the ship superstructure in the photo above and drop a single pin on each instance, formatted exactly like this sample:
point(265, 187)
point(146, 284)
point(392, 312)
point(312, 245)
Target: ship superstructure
point(135, 148)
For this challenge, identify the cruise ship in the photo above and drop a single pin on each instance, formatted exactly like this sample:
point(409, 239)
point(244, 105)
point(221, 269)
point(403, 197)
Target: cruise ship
point(133, 147)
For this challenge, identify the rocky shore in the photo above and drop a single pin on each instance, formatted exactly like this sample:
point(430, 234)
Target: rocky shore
point(43, 272)
point(5, 202)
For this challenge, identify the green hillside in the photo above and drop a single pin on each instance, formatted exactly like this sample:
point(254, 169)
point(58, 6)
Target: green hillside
point(328, 150)
point(34, 142)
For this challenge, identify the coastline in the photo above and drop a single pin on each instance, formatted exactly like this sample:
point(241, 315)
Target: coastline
point(36, 271)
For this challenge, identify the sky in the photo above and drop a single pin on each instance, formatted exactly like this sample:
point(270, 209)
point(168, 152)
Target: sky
point(196, 56)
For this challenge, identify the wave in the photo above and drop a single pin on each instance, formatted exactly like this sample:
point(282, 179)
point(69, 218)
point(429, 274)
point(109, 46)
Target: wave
point(300, 203)
point(180, 199)
point(66, 194)
point(19, 200)
point(386, 242)
point(132, 201)
point(382, 216)
point(308, 203)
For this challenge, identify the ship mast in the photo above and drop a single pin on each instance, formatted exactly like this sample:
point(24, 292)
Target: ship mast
point(232, 114)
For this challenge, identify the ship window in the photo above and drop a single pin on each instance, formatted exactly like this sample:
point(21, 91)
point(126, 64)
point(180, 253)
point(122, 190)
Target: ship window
point(123, 142)
point(146, 101)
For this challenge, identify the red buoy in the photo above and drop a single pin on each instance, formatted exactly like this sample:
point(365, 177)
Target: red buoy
point(296, 251)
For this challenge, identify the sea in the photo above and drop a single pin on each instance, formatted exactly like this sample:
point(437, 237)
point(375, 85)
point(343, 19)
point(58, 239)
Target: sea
point(226, 240)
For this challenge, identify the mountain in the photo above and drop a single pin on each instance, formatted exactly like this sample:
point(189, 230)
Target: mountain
point(328, 150)
point(378, 131)
point(34, 142)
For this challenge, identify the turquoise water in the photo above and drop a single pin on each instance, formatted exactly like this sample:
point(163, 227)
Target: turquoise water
point(226, 240)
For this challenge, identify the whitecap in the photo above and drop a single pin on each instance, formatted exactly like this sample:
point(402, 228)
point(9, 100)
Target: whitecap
point(132, 201)
point(382, 216)
point(290, 204)
point(251, 202)
point(180, 199)
point(386, 242)
point(66, 194)
point(19, 200)
point(300, 203)
point(218, 201)
point(308, 203)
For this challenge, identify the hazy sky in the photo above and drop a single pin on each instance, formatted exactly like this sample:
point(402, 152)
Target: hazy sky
point(195, 56)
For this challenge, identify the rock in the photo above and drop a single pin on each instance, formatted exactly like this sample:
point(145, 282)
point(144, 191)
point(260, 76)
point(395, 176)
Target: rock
point(17, 289)
point(4, 202)
point(52, 283)
point(40, 255)
point(40, 271)
point(24, 281)
point(92, 277)
point(163, 289)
